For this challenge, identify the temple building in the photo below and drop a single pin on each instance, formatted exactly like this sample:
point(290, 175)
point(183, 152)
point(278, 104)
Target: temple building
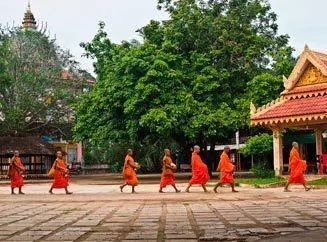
point(29, 20)
point(301, 106)
point(38, 152)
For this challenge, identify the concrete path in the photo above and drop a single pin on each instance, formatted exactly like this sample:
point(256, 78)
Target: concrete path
point(102, 213)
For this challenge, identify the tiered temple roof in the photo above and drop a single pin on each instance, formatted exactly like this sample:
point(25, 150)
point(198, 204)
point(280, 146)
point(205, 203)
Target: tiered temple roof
point(304, 98)
point(29, 20)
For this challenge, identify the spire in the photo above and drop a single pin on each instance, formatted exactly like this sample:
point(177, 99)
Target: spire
point(29, 20)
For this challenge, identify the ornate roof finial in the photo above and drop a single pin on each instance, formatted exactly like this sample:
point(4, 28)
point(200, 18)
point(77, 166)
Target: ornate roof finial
point(253, 109)
point(286, 82)
point(306, 47)
point(29, 20)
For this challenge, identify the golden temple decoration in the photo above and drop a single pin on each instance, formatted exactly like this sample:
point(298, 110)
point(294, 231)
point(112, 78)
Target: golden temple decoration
point(311, 76)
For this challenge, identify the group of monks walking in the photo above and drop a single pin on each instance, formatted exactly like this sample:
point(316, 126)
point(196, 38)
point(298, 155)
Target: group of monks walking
point(200, 174)
point(58, 171)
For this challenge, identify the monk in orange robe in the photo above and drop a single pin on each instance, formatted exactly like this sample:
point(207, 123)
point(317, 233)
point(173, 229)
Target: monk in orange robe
point(61, 174)
point(129, 172)
point(168, 169)
point(15, 173)
point(199, 170)
point(226, 169)
point(296, 168)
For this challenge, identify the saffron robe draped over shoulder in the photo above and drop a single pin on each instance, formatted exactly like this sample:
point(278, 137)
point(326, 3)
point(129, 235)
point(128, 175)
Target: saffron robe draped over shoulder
point(226, 169)
point(199, 170)
point(297, 167)
point(167, 176)
point(61, 174)
point(16, 173)
point(129, 173)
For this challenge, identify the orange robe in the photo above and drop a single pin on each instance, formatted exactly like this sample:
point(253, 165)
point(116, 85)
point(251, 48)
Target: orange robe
point(297, 167)
point(16, 173)
point(129, 173)
point(167, 176)
point(226, 169)
point(199, 170)
point(61, 174)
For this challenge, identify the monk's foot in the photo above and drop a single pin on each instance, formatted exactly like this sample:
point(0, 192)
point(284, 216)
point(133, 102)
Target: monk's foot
point(121, 188)
point(21, 193)
point(206, 191)
point(69, 193)
point(286, 190)
point(308, 189)
point(187, 190)
point(50, 192)
point(234, 191)
point(13, 193)
point(134, 192)
point(215, 190)
point(178, 191)
point(161, 191)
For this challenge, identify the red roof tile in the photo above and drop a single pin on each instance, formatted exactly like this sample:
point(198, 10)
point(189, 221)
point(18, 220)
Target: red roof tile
point(308, 88)
point(296, 107)
point(324, 61)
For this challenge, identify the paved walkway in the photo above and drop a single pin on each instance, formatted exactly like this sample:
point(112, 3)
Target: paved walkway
point(102, 213)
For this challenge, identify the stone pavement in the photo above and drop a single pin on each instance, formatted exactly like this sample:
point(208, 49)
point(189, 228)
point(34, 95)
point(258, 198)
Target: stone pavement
point(102, 213)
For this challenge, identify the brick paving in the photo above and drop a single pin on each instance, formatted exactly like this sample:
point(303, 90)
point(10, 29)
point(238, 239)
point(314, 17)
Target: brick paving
point(102, 213)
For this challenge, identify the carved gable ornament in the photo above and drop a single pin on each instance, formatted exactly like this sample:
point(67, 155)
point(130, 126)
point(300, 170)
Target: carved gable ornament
point(311, 76)
point(311, 68)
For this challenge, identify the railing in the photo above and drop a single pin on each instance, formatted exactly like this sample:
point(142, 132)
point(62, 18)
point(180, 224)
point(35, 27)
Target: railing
point(33, 164)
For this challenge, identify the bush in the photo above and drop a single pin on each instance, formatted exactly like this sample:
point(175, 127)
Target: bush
point(116, 167)
point(258, 145)
point(262, 170)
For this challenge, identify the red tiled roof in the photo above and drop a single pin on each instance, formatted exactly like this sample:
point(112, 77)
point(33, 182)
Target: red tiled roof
point(308, 88)
point(324, 61)
point(296, 107)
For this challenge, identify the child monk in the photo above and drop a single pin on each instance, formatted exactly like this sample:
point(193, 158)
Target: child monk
point(296, 168)
point(226, 169)
point(129, 172)
point(167, 176)
point(15, 173)
point(199, 171)
point(61, 174)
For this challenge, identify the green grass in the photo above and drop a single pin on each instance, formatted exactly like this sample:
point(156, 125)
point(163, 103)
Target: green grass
point(259, 181)
point(322, 181)
point(256, 181)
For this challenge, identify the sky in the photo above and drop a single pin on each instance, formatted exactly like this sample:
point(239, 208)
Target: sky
point(75, 21)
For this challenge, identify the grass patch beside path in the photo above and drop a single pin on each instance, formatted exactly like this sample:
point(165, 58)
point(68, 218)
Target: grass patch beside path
point(259, 181)
point(256, 182)
point(322, 181)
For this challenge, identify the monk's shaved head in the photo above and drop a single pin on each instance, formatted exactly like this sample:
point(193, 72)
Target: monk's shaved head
point(196, 148)
point(59, 154)
point(130, 151)
point(227, 149)
point(167, 152)
point(295, 145)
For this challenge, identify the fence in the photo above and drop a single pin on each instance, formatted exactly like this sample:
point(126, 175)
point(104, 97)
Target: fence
point(35, 164)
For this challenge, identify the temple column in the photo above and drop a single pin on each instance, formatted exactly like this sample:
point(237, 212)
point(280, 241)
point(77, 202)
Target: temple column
point(318, 134)
point(278, 151)
point(79, 152)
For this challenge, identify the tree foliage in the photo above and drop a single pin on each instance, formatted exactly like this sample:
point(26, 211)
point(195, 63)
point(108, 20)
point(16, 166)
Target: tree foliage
point(34, 97)
point(258, 145)
point(186, 81)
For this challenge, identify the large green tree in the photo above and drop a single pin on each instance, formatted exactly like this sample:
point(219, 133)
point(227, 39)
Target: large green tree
point(34, 97)
point(186, 81)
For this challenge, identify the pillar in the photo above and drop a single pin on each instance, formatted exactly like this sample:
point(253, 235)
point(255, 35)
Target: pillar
point(80, 152)
point(278, 151)
point(319, 144)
